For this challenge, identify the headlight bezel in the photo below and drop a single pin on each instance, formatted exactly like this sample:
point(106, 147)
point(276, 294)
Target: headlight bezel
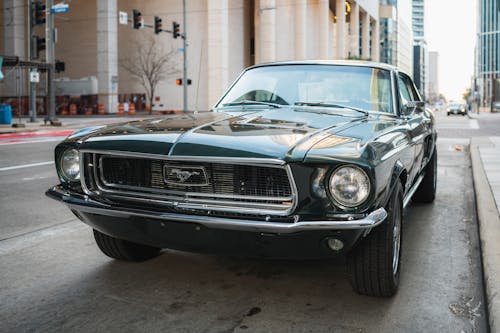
point(63, 171)
point(344, 204)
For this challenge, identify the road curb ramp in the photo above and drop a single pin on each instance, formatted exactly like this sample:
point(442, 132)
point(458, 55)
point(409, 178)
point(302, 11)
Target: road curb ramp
point(489, 233)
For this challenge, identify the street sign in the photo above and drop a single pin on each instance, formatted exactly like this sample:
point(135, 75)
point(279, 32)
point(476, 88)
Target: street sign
point(123, 18)
point(180, 49)
point(60, 8)
point(34, 77)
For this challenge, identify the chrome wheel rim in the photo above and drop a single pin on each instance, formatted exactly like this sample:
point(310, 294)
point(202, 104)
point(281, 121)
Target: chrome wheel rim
point(396, 240)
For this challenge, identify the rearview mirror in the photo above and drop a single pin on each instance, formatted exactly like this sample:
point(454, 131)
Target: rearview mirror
point(413, 106)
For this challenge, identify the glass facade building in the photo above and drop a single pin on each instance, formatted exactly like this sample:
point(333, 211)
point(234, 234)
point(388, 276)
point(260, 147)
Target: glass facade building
point(419, 47)
point(488, 52)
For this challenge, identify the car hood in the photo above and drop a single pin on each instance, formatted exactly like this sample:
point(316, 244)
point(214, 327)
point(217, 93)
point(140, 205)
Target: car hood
point(285, 134)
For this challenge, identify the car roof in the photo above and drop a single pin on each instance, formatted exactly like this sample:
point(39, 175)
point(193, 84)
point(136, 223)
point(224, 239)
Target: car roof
point(360, 63)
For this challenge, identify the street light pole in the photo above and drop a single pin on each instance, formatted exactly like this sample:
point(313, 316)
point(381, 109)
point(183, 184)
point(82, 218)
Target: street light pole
point(184, 51)
point(31, 52)
point(49, 49)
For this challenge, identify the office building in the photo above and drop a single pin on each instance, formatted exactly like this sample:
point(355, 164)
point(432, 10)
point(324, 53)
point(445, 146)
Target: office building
point(487, 69)
point(433, 76)
point(396, 41)
point(224, 37)
point(420, 61)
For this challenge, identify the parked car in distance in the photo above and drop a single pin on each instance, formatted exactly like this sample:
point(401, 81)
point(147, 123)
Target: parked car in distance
point(456, 108)
point(495, 106)
point(296, 160)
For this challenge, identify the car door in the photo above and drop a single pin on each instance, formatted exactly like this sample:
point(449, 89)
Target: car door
point(415, 122)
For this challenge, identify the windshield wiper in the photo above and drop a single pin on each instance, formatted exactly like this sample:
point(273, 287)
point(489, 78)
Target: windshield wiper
point(331, 105)
point(250, 102)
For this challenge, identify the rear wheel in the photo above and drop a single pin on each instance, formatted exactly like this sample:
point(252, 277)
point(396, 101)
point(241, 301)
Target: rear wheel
point(426, 192)
point(124, 250)
point(374, 264)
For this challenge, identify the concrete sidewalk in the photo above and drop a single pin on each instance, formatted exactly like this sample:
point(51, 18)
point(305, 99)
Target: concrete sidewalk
point(485, 155)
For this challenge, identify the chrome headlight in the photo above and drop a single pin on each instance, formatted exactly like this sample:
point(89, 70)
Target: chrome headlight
point(70, 165)
point(349, 185)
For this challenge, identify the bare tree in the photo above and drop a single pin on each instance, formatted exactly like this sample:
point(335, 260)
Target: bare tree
point(150, 65)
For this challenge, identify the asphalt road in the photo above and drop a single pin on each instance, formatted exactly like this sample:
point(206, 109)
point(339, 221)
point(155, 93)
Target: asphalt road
point(53, 277)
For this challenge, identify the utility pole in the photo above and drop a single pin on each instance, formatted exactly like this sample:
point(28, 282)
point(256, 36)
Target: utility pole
point(50, 45)
point(184, 70)
point(31, 52)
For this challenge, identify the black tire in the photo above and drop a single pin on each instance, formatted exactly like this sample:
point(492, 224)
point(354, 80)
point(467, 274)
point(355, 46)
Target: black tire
point(448, 114)
point(426, 192)
point(124, 250)
point(374, 264)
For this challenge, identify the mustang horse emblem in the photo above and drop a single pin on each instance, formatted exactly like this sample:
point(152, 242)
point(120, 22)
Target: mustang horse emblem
point(183, 175)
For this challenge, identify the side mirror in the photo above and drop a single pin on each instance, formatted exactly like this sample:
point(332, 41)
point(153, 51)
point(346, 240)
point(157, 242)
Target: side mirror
point(413, 107)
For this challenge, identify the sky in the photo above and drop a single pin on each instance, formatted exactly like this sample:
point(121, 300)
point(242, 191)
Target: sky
point(450, 29)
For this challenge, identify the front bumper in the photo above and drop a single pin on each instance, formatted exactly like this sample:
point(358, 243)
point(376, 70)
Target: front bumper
point(83, 203)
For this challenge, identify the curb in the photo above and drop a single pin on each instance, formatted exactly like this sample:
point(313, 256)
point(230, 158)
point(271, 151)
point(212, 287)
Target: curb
point(489, 233)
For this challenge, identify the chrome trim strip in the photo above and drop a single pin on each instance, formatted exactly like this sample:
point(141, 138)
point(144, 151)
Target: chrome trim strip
point(412, 191)
point(269, 162)
point(222, 206)
point(84, 204)
point(187, 201)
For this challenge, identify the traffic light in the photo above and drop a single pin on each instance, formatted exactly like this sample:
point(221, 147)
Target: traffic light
point(38, 44)
point(157, 25)
point(176, 29)
point(60, 66)
point(37, 13)
point(179, 82)
point(137, 19)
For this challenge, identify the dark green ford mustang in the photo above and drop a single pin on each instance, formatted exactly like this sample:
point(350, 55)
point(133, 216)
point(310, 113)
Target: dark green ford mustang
point(297, 160)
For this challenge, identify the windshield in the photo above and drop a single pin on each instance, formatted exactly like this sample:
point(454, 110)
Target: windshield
point(358, 87)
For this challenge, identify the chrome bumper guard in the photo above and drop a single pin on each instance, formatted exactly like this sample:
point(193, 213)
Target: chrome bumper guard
point(83, 203)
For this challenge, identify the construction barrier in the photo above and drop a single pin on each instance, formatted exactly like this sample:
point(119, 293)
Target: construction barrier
point(100, 108)
point(64, 112)
point(131, 109)
point(72, 109)
point(121, 110)
point(89, 112)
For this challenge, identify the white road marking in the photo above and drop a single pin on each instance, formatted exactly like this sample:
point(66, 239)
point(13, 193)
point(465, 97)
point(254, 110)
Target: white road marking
point(470, 124)
point(473, 124)
point(36, 178)
point(14, 167)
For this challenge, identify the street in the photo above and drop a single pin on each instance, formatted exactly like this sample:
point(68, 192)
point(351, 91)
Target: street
point(54, 278)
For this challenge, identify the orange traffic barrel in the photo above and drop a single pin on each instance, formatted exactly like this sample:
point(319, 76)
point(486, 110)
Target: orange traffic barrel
point(64, 112)
point(121, 110)
point(89, 112)
point(72, 109)
point(131, 109)
point(100, 108)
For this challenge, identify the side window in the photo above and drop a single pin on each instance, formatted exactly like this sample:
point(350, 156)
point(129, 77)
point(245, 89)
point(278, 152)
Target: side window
point(404, 91)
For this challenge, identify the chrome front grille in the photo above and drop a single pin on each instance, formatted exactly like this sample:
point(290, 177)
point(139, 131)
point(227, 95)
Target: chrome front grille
point(249, 186)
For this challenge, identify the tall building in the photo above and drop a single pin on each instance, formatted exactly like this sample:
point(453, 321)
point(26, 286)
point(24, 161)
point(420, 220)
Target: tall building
point(224, 37)
point(420, 62)
point(488, 52)
point(433, 76)
point(396, 41)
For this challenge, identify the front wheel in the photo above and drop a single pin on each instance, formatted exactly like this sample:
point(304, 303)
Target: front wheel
point(124, 250)
point(374, 264)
